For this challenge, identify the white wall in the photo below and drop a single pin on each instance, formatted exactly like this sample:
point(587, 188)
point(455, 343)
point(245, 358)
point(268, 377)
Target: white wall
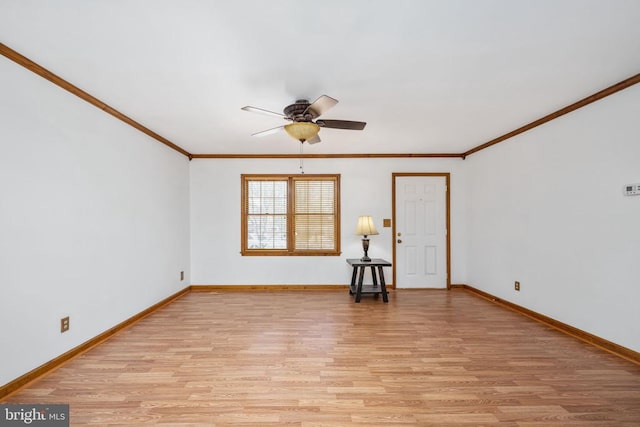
point(547, 209)
point(365, 188)
point(94, 221)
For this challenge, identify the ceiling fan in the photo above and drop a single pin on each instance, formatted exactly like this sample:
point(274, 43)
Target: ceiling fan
point(304, 127)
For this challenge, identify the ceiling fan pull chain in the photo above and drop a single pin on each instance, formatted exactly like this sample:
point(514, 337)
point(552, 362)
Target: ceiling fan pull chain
point(301, 161)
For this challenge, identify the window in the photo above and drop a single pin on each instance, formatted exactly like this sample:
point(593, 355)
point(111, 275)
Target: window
point(290, 214)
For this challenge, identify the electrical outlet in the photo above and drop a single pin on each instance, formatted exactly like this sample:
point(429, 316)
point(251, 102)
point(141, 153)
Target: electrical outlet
point(516, 286)
point(182, 275)
point(64, 324)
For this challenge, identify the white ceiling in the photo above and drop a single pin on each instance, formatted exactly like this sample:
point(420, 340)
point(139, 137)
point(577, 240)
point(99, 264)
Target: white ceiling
point(427, 76)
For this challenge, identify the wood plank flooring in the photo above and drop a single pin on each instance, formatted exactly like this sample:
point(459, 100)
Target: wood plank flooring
point(315, 358)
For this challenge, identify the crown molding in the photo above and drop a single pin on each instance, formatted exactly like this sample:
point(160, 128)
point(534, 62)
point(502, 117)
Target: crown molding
point(561, 112)
point(59, 81)
point(53, 78)
point(328, 156)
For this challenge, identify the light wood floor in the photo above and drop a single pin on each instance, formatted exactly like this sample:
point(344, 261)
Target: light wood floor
point(314, 358)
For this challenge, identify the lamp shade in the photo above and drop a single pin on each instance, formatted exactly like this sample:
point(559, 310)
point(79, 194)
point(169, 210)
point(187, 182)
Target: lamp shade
point(302, 131)
point(365, 226)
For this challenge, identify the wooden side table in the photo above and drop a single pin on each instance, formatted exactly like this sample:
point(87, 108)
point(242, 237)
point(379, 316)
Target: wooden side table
point(359, 268)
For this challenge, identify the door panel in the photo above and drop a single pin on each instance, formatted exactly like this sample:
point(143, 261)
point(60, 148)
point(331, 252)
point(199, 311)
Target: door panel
point(421, 231)
point(410, 215)
point(411, 260)
point(430, 260)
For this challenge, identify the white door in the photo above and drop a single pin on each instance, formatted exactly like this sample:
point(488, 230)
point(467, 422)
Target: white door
point(421, 231)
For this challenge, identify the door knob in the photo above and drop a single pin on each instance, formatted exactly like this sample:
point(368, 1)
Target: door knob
point(399, 241)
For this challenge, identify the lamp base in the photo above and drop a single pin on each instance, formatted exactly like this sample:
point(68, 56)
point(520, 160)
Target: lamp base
point(365, 247)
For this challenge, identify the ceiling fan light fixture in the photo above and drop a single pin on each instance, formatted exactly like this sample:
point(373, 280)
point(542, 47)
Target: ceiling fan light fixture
point(302, 131)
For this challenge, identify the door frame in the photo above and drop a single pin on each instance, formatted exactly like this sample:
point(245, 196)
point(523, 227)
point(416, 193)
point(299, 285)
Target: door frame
point(447, 176)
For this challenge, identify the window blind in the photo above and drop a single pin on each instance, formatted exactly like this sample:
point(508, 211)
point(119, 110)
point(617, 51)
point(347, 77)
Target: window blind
point(290, 215)
point(314, 214)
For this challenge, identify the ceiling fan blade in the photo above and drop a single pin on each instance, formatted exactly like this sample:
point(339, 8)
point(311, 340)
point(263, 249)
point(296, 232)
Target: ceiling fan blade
point(269, 131)
point(313, 140)
point(341, 124)
point(321, 105)
point(263, 111)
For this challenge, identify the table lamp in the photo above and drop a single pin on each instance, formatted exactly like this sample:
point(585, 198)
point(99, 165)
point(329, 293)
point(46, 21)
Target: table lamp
point(365, 228)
